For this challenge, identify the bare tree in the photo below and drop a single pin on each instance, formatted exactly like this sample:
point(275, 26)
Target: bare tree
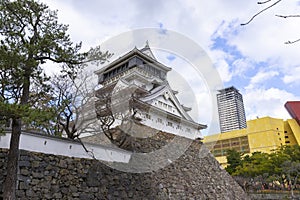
point(74, 99)
point(270, 4)
point(117, 109)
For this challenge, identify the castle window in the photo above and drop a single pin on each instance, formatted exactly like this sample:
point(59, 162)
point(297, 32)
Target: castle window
point(159, 120)
point(148, 116)
point(170, 124)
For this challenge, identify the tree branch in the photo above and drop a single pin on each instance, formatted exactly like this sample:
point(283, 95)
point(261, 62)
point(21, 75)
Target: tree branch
point(86, 150)
point(287, 16)
point(58, 60)
point(263, 2)
point(263, 10)
point(291, 42)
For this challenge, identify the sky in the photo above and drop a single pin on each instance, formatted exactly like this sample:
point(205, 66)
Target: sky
point(253, 58)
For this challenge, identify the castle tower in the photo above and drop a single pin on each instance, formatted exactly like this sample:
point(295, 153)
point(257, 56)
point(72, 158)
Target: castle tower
point(151, 98)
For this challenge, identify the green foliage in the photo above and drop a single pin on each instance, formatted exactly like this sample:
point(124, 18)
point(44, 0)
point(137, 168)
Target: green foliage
point(281, 167)
point(30, 38)
point(257, 164)
point(234, 159)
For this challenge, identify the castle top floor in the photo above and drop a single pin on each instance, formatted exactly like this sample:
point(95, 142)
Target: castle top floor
point(142, 60)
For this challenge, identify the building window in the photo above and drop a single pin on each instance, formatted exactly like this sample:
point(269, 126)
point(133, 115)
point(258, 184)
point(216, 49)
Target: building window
point(160, 103)
point(285, 131)
point(170, 124)
point(159, 120)
point(287, 142)
point(148, 116)
point(165, 105)
point(286, 136)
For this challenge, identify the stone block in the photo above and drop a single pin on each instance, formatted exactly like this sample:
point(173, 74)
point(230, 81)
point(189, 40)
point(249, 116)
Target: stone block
point(37, 175)
point(24, 172)
point(35, 164)
point(30, 193)
point(23, 186)
point(73, 188)
point(57, 195)
point(86, 196)
point(24, 163)
point(63, 164)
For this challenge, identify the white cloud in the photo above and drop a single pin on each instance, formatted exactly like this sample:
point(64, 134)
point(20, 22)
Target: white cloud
point(241, 66)
point(220, 63)
point(262, 41)
point(224, 70)
point(292, 76)
point(261, 77)
point(94, 21)
point(267, 102)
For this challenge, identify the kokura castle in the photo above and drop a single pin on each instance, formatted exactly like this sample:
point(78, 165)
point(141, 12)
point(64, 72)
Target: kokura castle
point(138, 86)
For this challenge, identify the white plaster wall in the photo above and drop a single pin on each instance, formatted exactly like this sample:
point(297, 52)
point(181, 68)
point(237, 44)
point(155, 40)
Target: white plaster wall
point(64, 147)
point(153, 122)
point(168, 102)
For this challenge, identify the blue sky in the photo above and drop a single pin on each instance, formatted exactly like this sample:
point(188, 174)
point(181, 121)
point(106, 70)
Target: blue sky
point(252, 58)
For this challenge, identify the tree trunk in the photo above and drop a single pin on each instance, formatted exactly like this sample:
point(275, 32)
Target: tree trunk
point(9, 187)
point(10, 184)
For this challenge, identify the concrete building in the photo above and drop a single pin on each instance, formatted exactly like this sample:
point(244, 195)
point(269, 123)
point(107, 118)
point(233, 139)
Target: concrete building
point(262, 134)
point(136, 83)
point(231, 110)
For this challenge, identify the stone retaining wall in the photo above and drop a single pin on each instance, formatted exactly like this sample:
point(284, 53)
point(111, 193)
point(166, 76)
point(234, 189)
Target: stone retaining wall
point(274, 196)
point(45, 176)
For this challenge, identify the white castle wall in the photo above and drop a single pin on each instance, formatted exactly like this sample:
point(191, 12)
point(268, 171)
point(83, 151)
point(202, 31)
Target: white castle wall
point(160, 122)
point(65, 147)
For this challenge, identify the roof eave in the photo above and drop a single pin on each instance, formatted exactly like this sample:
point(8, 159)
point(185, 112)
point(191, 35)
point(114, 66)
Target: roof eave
point(127, 56)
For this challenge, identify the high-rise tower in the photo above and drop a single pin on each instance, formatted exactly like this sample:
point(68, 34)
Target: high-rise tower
point(231, 109)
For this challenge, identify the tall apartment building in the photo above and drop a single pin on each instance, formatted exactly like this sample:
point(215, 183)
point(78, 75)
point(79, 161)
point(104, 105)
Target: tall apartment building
point(231, 110)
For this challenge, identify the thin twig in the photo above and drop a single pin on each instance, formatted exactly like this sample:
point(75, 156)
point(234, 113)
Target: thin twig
point(287, 16)
point(263, 2)
point(86, 150)
point(261, 12)
point(291, 42)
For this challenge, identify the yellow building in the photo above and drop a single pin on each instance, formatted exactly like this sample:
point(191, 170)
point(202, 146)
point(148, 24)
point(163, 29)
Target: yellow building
point(262, 134)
